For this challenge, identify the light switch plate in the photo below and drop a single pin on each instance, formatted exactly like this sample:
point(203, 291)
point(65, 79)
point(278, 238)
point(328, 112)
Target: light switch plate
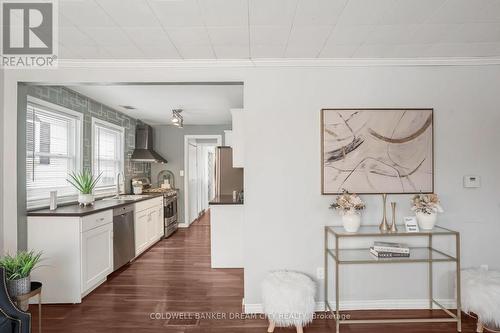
point(181, 173)
point(472, 181)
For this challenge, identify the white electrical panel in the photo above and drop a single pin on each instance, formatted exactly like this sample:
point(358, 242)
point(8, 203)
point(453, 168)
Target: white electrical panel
point(472, 181)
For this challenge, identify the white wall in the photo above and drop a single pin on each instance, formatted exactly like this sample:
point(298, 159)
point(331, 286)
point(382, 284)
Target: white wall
point(285, 212)
point(1, 154)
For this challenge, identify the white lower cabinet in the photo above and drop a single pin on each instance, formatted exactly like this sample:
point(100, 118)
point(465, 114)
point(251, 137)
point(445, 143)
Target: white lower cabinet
point(226, 235)
point(97, 256)
point(141, 231)
point(77, 254)
point(78, 251)
point(160, 224)
point(148, 223)
point(152, 225)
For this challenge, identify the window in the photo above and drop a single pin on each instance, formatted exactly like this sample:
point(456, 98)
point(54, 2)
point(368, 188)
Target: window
point(52, 151)
point(107, 154)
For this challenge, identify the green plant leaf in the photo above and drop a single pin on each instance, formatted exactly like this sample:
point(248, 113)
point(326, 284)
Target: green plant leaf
point(83, 181)
point(20, 265)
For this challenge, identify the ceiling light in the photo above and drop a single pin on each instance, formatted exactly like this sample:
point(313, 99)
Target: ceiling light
point(177, 119)
point(180, 124)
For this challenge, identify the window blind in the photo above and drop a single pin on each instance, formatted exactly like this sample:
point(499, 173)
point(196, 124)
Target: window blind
point(108, 154)
point(51, 153)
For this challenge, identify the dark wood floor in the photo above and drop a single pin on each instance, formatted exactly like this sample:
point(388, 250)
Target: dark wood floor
point(175, 277)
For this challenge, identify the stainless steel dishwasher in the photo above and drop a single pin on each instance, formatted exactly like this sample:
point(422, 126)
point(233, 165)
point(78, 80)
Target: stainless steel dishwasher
point(123, 236)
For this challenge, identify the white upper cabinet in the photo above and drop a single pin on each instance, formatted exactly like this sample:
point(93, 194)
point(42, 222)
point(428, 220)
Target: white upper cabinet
point(238, 137)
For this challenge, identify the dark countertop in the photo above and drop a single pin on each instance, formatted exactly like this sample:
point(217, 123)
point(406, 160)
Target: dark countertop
point(224, 200)
point(99, 205)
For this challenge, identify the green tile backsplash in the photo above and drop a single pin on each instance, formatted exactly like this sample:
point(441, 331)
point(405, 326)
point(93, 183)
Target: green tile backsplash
point(72, 100)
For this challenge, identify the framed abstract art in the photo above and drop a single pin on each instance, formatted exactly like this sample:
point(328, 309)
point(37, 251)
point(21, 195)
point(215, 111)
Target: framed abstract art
point(371, 151)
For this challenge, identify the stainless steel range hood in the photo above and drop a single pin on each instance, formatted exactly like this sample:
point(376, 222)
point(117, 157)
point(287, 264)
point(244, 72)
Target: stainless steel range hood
point(143, 151)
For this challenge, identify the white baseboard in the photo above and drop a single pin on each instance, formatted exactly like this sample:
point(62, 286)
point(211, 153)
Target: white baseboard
point(384, 304)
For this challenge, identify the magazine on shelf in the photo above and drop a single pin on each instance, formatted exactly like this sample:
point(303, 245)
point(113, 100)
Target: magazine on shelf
point(380, 254)
point(391, 247)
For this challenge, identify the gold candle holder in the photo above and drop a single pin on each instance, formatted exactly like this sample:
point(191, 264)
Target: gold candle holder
point(393, 227)
point(383, 225)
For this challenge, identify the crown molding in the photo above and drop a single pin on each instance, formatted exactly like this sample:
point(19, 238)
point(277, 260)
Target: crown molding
point(249, 63)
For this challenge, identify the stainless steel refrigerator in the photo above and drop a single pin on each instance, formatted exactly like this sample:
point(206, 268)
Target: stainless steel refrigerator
point(227, 178)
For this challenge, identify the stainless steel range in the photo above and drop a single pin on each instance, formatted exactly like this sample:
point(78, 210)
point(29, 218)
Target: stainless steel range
point(169, 208)
point(169, 204)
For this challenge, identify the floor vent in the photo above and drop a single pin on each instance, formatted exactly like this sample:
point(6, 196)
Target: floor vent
point(182, 322)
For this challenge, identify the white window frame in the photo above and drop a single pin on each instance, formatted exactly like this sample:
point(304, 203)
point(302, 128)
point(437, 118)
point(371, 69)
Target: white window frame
point(108, 189)
point(78, 137)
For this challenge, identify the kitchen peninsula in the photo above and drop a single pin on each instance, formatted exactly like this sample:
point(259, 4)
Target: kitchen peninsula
point(226, 232)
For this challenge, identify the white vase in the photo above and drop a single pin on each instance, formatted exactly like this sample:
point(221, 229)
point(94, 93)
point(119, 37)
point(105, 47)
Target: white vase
point(426, 221)
point(351, 221)
point(85, 199)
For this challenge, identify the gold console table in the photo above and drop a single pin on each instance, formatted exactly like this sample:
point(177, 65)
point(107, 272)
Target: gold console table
point(427, 254)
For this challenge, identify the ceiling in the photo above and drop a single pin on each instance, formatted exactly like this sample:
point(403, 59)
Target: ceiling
point(202, 104)
point(243, 29)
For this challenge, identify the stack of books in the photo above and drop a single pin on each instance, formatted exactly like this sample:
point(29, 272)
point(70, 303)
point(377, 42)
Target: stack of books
point(390, 250)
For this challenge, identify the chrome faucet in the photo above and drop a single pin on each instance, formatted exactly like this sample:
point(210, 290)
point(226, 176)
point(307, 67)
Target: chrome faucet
point(118, 187)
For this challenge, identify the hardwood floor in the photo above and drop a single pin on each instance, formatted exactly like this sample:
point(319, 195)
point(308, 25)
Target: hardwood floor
point(175, 277)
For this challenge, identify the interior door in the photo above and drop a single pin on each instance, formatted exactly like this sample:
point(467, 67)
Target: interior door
point(211, 173)
point(192, 182)
point(200, 163)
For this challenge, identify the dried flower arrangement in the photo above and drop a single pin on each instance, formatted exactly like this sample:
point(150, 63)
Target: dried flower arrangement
point(426, 203)
point(348, 203)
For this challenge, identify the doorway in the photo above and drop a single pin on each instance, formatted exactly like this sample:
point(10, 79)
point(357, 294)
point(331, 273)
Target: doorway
point(199, 174)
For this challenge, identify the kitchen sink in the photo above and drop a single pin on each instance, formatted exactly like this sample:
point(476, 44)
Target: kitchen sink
point(126, 197)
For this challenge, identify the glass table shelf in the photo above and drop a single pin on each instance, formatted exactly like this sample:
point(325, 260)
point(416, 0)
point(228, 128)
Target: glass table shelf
point(373, 230)
point(335, 247)
point(363, 256)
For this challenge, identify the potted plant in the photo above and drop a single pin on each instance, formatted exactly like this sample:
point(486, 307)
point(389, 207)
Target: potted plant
point(349, 206)
point(85, 182)
point(18, 269)
point(426, 207)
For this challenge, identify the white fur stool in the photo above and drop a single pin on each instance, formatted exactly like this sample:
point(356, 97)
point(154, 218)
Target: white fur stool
point(481, 295)
point(288, 299)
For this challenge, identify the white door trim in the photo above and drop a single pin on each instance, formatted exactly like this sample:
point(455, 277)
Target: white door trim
point(218, 137)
